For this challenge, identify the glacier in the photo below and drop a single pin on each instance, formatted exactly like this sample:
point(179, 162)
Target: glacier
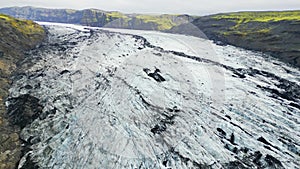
point(113, 98)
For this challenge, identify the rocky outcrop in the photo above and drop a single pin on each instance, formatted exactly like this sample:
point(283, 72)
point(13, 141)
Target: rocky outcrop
point(23, 110)
point(275, 33)
point(16, 37)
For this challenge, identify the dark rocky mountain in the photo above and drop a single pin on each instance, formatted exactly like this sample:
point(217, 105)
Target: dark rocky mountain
point(16, 37)
point(276, 33)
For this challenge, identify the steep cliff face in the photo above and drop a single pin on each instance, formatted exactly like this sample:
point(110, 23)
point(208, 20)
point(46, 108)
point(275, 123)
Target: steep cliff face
point(99, 18)
point(276, 33)
point(16, 36)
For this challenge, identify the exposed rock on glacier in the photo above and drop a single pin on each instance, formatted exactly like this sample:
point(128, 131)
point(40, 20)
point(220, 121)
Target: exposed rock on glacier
point(24, 109)
point(155, 100)
point(155, 75)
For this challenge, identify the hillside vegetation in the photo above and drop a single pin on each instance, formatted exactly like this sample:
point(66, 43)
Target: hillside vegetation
point(16, 36)
point(27, 27)
point(276, 33)
point(244, 17)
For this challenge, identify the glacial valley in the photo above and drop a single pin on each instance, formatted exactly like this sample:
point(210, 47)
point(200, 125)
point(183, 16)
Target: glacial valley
point(112, 98)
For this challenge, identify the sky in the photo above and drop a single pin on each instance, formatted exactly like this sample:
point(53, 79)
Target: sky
point(193, 7)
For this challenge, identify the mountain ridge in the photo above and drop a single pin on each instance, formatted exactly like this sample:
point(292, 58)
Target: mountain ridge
point(245, 29)
point(99, 18)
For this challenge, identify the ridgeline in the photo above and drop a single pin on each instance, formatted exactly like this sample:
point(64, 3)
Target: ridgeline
point(98, 18)
point(276, 33)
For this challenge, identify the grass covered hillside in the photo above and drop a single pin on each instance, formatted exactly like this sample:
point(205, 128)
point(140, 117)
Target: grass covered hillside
point(244, 17)
point(16, 36)
point(277, 33)
point(98, 18)
point(26, 27)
